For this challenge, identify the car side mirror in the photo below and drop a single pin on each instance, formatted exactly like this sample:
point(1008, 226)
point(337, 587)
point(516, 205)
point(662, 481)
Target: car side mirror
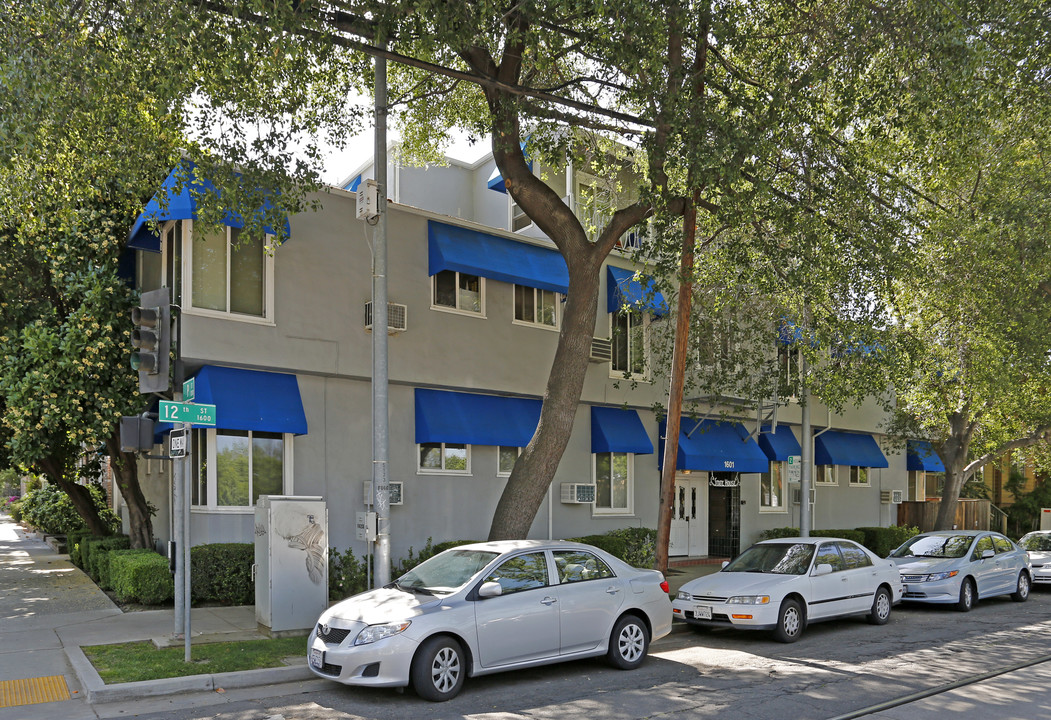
point(821, 569)
point(987, 554)
point(490, 589)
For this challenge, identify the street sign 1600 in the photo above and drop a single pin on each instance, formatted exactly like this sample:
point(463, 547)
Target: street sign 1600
point(180, 412)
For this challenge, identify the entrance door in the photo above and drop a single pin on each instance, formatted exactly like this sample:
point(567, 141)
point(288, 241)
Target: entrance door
point(724, 515)
point(689, 531)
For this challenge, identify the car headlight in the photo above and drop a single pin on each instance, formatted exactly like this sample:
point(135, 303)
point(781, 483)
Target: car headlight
point(749, 600)
point(934, 577)
point(377, 632)
point(683, 595)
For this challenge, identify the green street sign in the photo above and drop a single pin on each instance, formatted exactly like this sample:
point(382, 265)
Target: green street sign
point(188, 390)
point(183, 412)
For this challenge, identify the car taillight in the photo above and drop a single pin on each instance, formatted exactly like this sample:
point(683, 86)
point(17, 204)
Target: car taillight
point(664, 586)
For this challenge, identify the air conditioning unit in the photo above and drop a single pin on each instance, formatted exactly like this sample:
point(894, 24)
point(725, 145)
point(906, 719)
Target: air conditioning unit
point(893, 497)
point(397, 317)
point(396, 495)
point(578, 493)
point(601, 350)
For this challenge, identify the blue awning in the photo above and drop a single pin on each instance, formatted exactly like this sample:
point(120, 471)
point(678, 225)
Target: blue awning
point(618, 430)
point(457, 417)
point(779, 444)
point(623, 289)
point(496, 180)
point(834, 447)
point(920, 455)
point(716, 446)
point(477, 253)
point(180, 206)
point(352, 186)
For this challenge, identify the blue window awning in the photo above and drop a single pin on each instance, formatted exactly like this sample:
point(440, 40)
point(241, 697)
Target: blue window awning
point(477, 253)
point(474, 419)
point(920, 455)
point(716, 446)
point(779, 444)
point(834, 447)
point(496, 180)
point(623, 289)
point(180, 206)
point(618, 430)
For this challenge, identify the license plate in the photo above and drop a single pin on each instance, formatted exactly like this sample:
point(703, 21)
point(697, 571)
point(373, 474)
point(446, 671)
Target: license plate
point(702, 612)
point(317, 658)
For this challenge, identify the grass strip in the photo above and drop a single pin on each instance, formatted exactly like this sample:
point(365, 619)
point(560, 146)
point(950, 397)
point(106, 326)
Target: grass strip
point(131, 662)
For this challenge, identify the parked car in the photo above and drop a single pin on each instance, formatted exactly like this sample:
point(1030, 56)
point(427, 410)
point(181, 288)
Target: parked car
point(488, 607)
point(785, 584)
point(1038, 545)
point(957, 567)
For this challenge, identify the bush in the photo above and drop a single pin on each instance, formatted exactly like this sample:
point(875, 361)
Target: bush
point(50, 510)
point(75, 541)
point(635, 546)
point(107, 561)
point(349, 575)
point(98, 550)
point(222, 572)
point(882, 540)
point(142, 577)
point(15, 511)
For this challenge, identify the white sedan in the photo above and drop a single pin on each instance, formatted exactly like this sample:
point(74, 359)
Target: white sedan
point(489, 607)
point(1038, 545)
point(784, 584)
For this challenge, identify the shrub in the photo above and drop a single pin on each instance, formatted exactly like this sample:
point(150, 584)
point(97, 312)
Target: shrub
point(50, 510)
point(15, 511)
point(426, 552)
point(347, 575)
point(222, 572)
point(635, 546)
point(75, 541)
point(100, 548)
point(107, 561)
point(878, 538)
point(882, 540)
point(141, 576)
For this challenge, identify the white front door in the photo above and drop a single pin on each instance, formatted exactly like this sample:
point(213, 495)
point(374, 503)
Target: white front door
point(689, 520)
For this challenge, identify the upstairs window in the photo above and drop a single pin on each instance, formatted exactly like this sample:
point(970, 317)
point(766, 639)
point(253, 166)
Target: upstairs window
point(537, 307)
point(230, 273)
point(454, 290)
point(630, 339)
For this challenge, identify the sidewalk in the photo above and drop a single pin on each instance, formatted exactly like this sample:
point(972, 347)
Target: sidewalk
point(49, 609)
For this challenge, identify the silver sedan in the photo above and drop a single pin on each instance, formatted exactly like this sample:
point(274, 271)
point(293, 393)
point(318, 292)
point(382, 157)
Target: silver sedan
point(957, 567)
point(1038, 545)
point(489, 607)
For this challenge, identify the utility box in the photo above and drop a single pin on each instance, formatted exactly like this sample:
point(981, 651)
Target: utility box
point(1045, 518)
point(291, 562)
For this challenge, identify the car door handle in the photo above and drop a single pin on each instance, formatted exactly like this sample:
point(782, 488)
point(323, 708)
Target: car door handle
point(613, 589)
point(549, 600)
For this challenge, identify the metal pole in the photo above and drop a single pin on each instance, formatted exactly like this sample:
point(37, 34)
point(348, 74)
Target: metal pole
point(187, 570)
point(177, 535)
point(380, 440)
point(806, 458)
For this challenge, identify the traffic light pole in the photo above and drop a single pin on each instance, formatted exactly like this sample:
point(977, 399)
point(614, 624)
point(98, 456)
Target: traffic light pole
point(184, 461)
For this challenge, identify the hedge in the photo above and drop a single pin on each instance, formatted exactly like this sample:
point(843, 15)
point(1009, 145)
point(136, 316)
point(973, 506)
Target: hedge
point(222, 572)
point(75, 541)
point(880, 540)
point(635, 546)
point(97, 549)
point(106, 562)
point(142, 577)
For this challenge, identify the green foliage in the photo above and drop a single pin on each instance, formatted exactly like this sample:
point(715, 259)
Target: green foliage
point(784, 532)
point(75, 540)
point(10, 483)
point(15, 510)
point(349, 575)
point(1023, 515)
point(105, 563)
point(50, 510)
point(222, 572)
point(142, 577)
point(635, 546)
point(882, 540)
point(96, 560)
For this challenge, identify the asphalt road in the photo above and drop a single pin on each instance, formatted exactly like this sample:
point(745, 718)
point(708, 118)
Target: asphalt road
point(840, 669)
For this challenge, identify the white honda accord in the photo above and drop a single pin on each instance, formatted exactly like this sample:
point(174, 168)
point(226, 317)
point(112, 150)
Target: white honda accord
point(782, 585)
point(489, 607)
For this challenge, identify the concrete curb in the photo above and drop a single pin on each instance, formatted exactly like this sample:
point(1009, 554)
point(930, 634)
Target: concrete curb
point(97, 691)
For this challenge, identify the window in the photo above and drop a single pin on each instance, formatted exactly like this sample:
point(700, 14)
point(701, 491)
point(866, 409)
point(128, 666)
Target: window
point(537, 307)
point(630, 339)
point(508, 456)
point(445, 458)
point(917, 485)
point(237, 466)
point(854, 556)
point(230, 273)
point(1003, 545)
point(577, 565)
point(859, 476)
point(984, 543)
point(519, 219)
point(614, 483)
point(828, 554)
point(771, 488)
point(826, 475)
point(522, 572)
point(458, 291)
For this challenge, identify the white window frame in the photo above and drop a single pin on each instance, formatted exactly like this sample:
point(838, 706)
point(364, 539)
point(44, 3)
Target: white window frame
point(514, 212)
point(628, 511)
point(647, 320)
point(824, 475)
point(782, 506)
point(187, 280)
point(499, 472)
point(420, 470)
point(212, 484)
point(559, 298)
point(458, 310)
point(855, 472)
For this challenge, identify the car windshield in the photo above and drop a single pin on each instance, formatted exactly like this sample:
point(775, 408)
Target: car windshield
point(1036, 541)
point(776, 558)
point(939, 546)
point(446, 571)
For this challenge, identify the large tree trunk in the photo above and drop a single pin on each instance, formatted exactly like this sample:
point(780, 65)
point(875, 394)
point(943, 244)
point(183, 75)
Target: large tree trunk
point(80, 496)
point(126, 474)
point(953, 453)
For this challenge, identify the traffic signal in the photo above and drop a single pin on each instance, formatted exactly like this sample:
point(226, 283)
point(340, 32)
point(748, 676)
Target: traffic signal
point(151, 339)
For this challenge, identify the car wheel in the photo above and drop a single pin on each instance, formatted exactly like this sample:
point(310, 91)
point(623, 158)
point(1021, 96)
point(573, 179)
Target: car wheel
point(966, 601)
point(1022, 593)
point(790, 622)
point(438, 669)
point(880, 612)
point(628, 643)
